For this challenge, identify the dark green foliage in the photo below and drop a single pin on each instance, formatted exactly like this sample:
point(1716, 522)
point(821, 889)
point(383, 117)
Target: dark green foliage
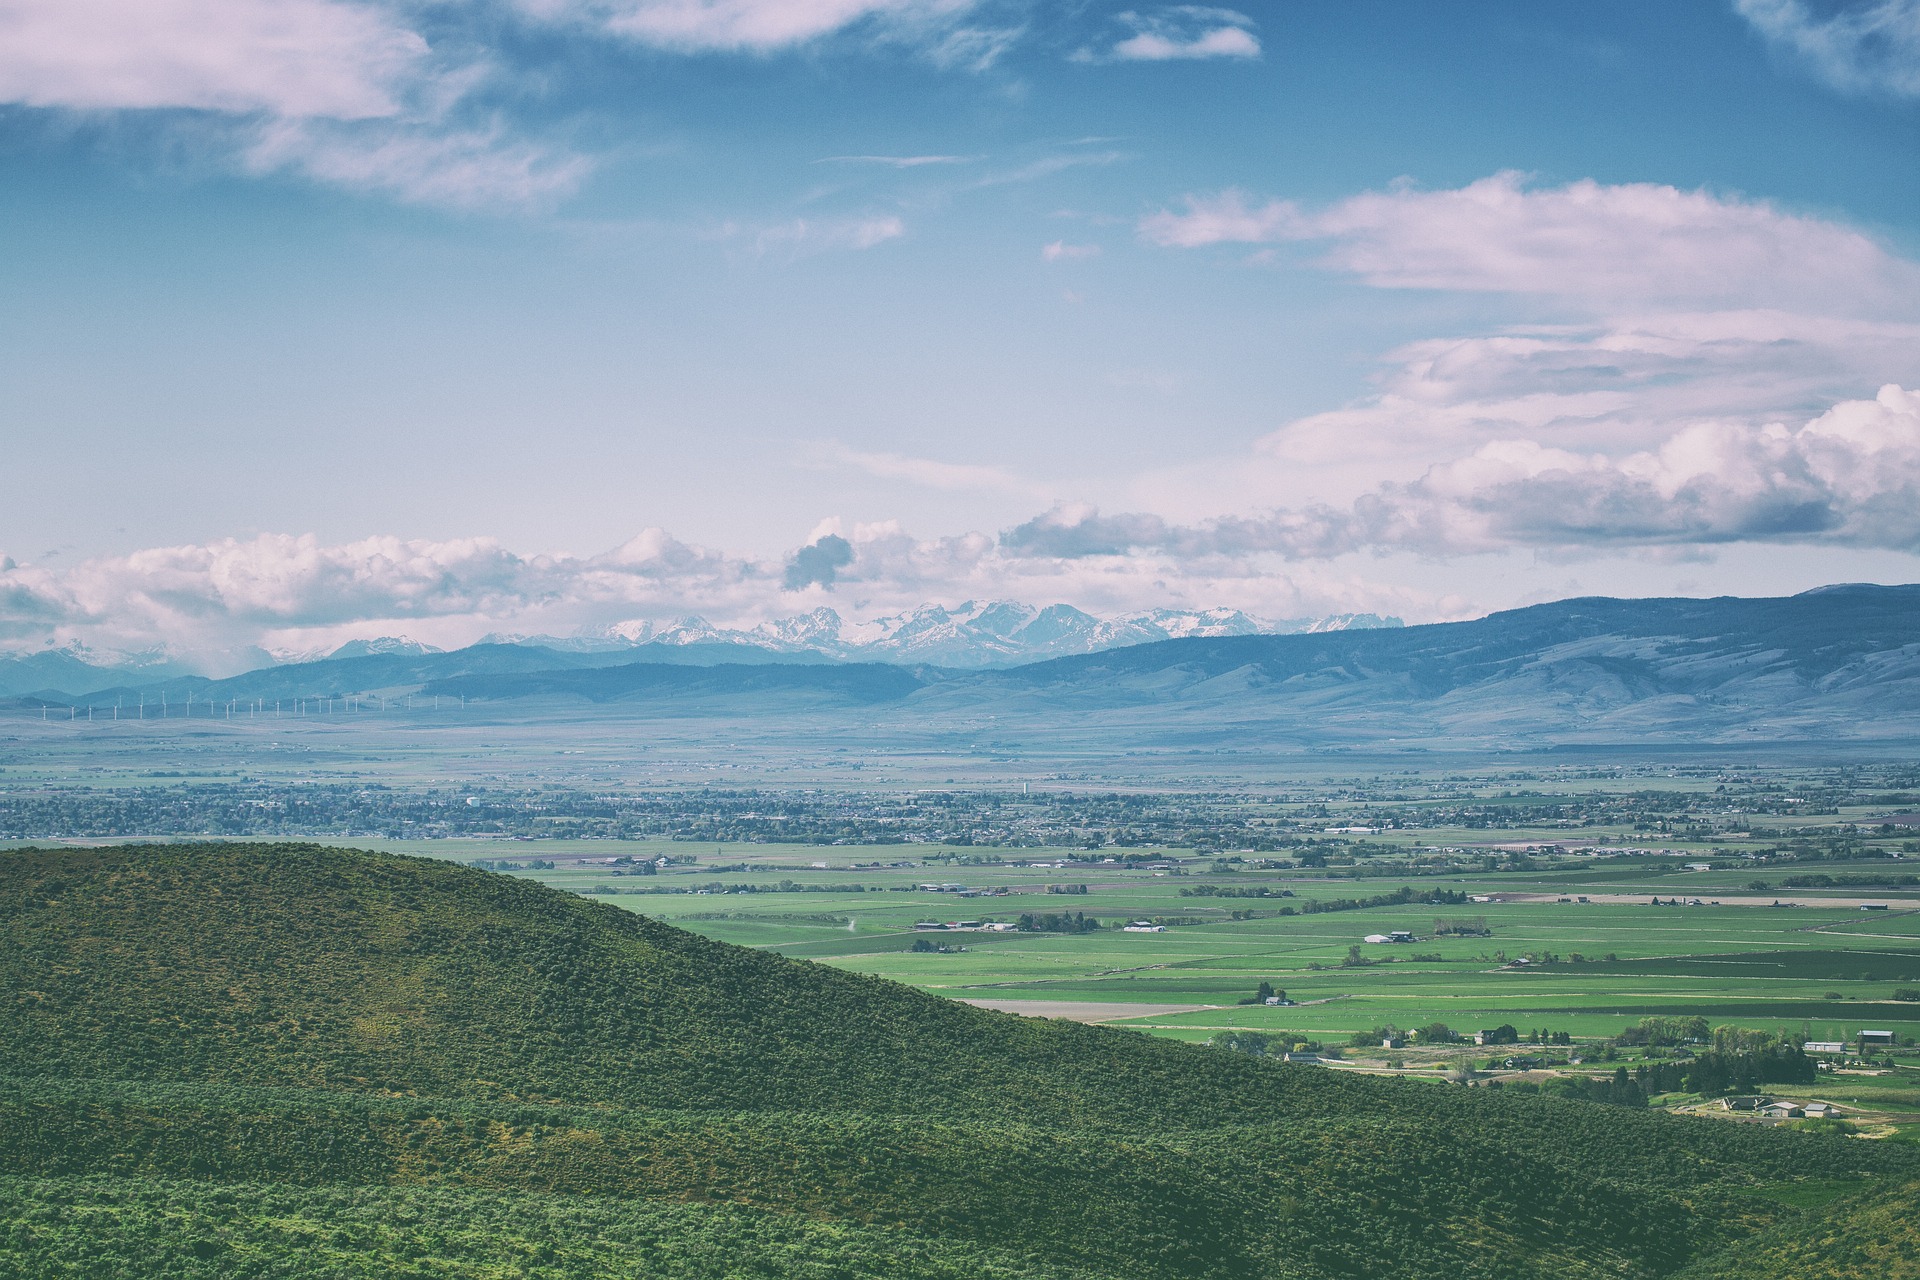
point(1874, 1235)
point(1056, 922)
point(1618, 1089)
point(1739, 1061)
point(172, 1230)
point(272, 1050)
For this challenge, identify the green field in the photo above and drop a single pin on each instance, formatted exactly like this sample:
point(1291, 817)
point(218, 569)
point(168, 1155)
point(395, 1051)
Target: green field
point(1823, 971)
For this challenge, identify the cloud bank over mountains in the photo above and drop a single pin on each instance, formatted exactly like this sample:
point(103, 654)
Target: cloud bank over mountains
point(1849, 477)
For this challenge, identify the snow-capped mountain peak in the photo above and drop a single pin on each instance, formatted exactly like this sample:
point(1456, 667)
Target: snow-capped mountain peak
point(973, 633)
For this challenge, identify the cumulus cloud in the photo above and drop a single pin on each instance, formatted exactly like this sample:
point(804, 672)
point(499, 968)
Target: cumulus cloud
point(818, 562)
point(1181, 33)
point(1629, 242)
point(1856, 48)
point(1625, 383)
point(1850, 477)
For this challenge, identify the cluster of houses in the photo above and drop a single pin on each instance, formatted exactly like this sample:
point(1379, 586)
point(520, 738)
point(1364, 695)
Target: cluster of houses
point(964, 926)
point(1780, 1108)
point(963, 891)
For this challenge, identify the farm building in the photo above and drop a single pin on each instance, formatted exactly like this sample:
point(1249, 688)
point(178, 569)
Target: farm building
point(1825, 1046)
point(1875, 1040)
point(1142, 926)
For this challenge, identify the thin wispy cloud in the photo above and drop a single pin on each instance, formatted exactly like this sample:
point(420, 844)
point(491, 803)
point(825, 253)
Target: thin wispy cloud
point(797, 237)
point(930, 473)
point(1065, 251)
point(897, 162)
point(1871, 47)
point(1048, 166)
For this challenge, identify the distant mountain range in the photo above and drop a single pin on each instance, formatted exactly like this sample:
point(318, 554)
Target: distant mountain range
point(995, 633)
point(972, 636)
point(1841, 662)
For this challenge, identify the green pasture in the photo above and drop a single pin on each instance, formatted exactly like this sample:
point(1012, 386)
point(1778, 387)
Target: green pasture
point(1825, 971)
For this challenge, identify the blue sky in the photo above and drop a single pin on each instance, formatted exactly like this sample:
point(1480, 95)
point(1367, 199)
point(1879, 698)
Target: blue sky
point(322, 319)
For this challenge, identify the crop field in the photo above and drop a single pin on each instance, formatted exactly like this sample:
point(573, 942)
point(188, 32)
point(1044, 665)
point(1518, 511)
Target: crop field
point(1825, 968)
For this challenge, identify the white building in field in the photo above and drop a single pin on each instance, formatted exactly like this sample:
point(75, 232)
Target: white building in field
point(1142, 926)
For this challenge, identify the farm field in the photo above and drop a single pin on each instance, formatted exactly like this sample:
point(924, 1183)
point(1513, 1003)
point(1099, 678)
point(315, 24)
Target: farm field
point(1825, 969)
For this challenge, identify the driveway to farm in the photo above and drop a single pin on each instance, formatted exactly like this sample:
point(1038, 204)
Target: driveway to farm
point(1084, 1010)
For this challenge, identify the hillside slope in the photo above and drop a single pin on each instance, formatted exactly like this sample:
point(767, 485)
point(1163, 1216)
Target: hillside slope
point(407, 1045)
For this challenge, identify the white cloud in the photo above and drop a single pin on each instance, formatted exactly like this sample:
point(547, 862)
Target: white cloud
point(286, 593)
point(1857, 48)
point(340, 93)
point(1849, 478)
point(951, 477)
point(294, 58)
point(1181, 33)
point(1062, 251)
point(895, 162)
point(353, 93)
point(483, 167)
point(1625, 383)
point(1632, 242)
point(748, 26)
point(815, 235)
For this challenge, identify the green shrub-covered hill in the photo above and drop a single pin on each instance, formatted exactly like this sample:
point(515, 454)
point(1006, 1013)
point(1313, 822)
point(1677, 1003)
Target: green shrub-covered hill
point(287, 1060)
